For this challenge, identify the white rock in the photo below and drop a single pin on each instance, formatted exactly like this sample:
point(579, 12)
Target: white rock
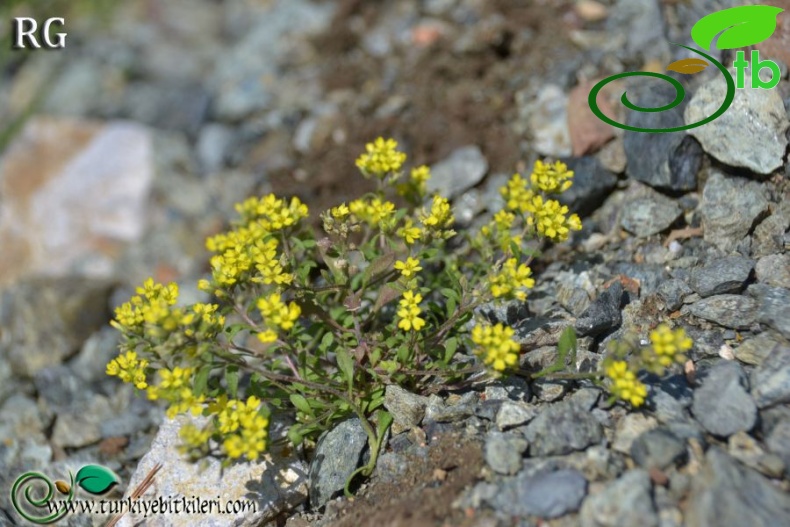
point(273, 484)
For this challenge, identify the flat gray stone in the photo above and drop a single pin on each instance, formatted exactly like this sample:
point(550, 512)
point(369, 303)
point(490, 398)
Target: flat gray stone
point(721, 276)
point(649, 215)
point(407, 409)
point(771, 380)
point(730, 311)
point(547, 494)
point(658, 448)
point(338, 454)
point(464, 168)
point(750, 134)
point(774, 307)
point(722, 404)
point(774, 270)
point(503, 451)
point(561, 429)
point(730, 207)
point(625, 502)
point(727, 494)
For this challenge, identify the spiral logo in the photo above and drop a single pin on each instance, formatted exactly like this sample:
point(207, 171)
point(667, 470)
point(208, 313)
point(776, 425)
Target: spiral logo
point(33, 491)
point(735, 27)
point(25, 484)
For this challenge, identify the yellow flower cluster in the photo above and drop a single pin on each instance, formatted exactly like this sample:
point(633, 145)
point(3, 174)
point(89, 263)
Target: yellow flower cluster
point(271, 212)
point(150, 305)
point(340, 212)
point(175, 388)
point(416, 187)
point(409, 233)
point(549, 218)
point(410, 311)
point(497, 347)
point(375, 212)
point(516, 194)
point(551, 178)
point(499, 230)
point(669, 345)
point(381, 157)
point(624, 384)
point(243, 425)
point(408, 268)
point(129, 368)
point(512, 280)
point(277, 316)
point(250, 248)
point(193, 437)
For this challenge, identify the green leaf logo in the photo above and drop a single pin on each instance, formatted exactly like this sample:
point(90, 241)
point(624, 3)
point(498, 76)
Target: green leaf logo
point(96, 479)
point(741, 26)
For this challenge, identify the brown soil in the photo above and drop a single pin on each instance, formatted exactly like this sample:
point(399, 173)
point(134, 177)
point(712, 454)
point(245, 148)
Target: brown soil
point(423, 496)
point(451, 100)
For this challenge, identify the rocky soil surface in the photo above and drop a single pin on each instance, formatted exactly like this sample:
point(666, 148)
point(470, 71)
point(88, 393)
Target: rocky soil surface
point(161, 115)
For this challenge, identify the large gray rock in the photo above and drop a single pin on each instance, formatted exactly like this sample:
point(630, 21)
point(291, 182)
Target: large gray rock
point(774, 307)
point(730, 207)
point(722, 403)
point(46, 320)
point(604, 313)
point(546, 493)
point(503, 451)
point(727, 494)
point(774, 270)
point(720, 276)
point(658, 448)
point(666, 160)
point(624, 503)
point(274, 483)
point(771, 380)
point(407, 409)
point(650, 215)
point(561, 429)
point(591, 184)
point(750, 134)
point(338, 453)
point(731, 311)
point(461, 170)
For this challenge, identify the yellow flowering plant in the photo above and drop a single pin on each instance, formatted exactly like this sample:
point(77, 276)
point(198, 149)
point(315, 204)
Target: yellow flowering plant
point(317, 322)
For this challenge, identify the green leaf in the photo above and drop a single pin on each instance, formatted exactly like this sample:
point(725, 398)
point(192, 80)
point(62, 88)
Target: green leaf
point(295, 435)
point(232, 379)
point(346, 365)
point(200, 384)
point(301, 404)
point(382, 264)
point(384, 420)
point(387, 294)
point(96, 479)
point(326, 341)
point(566, 344)
point(450, 346)
point(741, 26)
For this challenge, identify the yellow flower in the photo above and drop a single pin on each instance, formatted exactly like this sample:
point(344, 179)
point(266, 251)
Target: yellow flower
point(624, 384)
point(440, 215)
point(409, 312)
point(497, 347)
point(129, 368)
point(340, 212)
point(549, 219)
point(516, 194)
point(408, 268)
point(245, 428)
point(376, 212)
point(669, 345)
point(194, 437)
point(381, 158)
point(409, 233)
point(277, 315)
point(512, 280)
point(552, 179)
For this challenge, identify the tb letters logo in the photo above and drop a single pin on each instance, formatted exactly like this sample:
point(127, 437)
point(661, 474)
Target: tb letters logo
point(24, 33)
point(738, 27)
